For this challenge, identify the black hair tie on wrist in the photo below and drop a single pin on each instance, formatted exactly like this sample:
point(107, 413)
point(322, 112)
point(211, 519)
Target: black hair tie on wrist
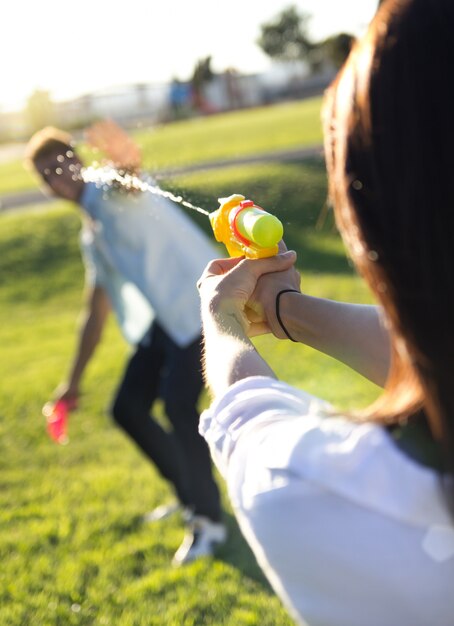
point(278, 317)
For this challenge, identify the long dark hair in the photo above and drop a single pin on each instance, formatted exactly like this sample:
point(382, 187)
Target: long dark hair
point(389, 144)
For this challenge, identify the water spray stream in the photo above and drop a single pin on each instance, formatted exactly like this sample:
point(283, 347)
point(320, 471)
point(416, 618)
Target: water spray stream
point(131, 182)
point(244, 228)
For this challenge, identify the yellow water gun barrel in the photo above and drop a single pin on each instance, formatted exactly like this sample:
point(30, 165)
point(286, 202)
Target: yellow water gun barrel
point(245, 228)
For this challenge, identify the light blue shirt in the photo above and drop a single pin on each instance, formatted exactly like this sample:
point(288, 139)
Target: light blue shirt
point(148, 255)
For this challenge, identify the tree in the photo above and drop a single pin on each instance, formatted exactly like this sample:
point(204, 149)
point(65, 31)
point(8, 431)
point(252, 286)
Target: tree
point(336, 48)
point(202, 74)
point(39, 111)
point(286, 37)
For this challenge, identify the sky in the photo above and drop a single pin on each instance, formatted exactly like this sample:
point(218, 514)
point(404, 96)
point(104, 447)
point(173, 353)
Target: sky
point(70, 48)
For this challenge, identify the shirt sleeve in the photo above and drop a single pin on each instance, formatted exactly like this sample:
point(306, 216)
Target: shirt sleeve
point(331, 508)
point(94, 271)
point(252, 431)
point(248, 409)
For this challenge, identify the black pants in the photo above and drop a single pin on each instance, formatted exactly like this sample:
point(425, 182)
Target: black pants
point(160, 368)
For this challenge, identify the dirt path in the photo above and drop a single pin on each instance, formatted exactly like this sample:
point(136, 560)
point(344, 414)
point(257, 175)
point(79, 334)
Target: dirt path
point(35, 196)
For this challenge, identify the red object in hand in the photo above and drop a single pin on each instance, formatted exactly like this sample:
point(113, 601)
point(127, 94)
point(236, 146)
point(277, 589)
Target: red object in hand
point(56, 415)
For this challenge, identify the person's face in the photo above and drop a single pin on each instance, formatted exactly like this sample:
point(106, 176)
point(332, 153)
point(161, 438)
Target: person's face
point(61, 171)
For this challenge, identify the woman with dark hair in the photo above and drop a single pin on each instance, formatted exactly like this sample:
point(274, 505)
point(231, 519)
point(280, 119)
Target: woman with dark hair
point(352, 517)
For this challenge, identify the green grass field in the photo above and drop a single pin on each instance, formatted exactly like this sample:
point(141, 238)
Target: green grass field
point(72, 545)
point(199, 140)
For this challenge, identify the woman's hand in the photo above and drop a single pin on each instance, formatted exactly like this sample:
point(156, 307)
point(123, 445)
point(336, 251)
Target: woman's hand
point(227, 286)
point(261, 307)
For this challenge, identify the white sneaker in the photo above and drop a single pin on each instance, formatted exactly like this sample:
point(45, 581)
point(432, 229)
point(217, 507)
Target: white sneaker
point(201, 539)
point(161, 512)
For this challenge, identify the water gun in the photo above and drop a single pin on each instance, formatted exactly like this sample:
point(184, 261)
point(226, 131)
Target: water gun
point(245, 228)
point(56, 415)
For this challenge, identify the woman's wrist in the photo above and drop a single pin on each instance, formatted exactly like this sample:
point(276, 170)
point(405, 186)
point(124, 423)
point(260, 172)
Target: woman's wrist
point(279, 317)
point(225, 315)
point(229, 354)
point(284, 324)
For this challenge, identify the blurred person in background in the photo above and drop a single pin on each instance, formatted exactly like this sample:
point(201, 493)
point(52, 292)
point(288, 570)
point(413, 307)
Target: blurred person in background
point(143, 256)
point(351, 516)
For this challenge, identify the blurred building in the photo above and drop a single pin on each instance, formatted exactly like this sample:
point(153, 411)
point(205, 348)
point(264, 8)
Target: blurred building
point(285, 80)
point(125, 103)
point(148, 104)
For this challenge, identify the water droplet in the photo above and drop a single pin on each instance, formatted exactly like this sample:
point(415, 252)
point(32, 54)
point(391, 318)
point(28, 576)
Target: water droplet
point(70, 154)
point(59, 171)
point(75, 608)
point(357, 185)
point(372, 255)
point(60, 158)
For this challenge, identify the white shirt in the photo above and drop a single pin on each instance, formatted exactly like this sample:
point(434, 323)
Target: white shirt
point(348, 530)
point(148, 255)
